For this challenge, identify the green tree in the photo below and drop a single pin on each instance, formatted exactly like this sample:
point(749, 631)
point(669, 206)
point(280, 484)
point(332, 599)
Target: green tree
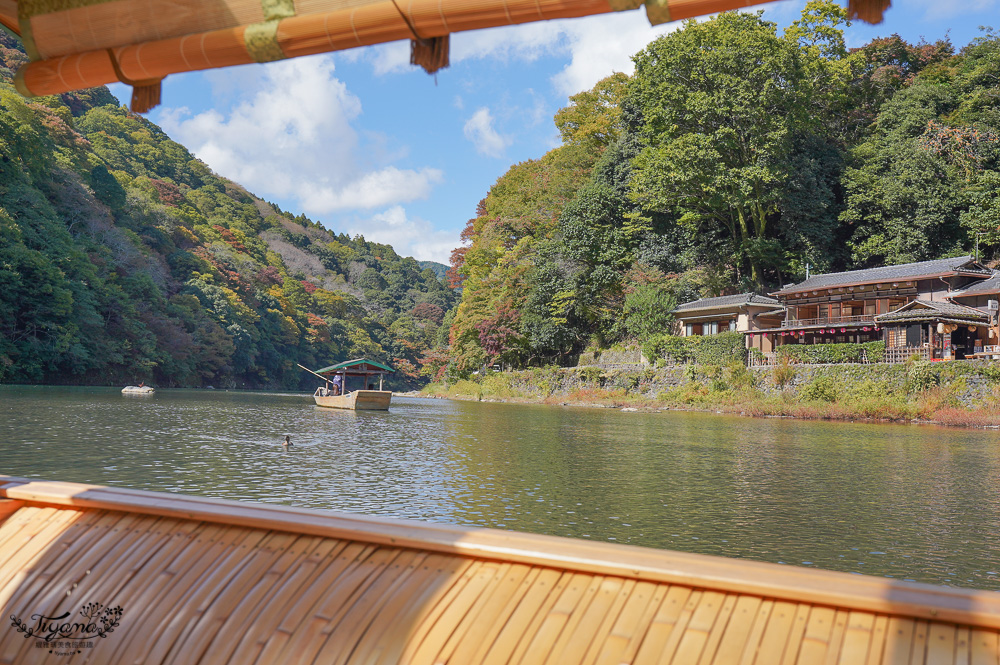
point(722, 108)
point(925, 181)
point(593, 118)
point(106, 188)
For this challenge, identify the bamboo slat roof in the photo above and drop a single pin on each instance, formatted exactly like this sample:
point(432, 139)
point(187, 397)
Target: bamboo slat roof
point(213, 581)
point(75, 44)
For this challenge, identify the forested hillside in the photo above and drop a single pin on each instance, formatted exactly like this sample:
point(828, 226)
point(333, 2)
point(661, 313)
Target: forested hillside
point(125, 259)
point(730, 161)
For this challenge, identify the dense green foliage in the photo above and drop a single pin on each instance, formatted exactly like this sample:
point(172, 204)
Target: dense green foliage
point(734, 157)
point(831, 354)
point(721, 349)
point(124, 259)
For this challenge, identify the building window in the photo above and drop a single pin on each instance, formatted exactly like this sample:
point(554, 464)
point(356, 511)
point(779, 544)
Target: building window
point(711, 328)
point(732, 324)
point(911, 335)
point(688, 329)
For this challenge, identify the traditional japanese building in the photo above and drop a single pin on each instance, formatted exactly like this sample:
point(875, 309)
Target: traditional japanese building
point(984, 296)
point(941, 329)
point(745, 312)
point(891, 303)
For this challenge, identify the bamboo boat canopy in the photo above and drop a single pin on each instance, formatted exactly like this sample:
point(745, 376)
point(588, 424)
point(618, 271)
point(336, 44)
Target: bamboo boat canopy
point(77, 44)
point(192, 579)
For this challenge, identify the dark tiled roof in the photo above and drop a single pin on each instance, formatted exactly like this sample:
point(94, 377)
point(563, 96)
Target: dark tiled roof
point(964, 264)
point(985, 287)
point(727, 301)
point(923, 310)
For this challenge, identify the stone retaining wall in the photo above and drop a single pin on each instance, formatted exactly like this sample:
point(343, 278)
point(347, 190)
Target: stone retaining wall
point(971, 381)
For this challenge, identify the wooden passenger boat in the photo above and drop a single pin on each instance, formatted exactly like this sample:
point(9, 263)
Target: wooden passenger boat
point(201, 580)
point(359, 400)
point(339, 396)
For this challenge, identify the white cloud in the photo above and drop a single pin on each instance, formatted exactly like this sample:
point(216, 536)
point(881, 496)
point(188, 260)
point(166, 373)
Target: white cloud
point(374, 189)
point(391, 58)
point(526, 42)
point(597, 46)
point(479, 129)
point(408, 236)
point(289, 135)
point(602, 45)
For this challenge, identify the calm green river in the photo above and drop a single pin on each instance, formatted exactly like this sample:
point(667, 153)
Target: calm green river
point(911, 502)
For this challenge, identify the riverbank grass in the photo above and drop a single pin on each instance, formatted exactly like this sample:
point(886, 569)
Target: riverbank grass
point(957, 393)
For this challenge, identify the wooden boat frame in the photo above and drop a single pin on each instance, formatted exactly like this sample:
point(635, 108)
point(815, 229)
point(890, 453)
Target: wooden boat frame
point(210, 580)
point(358, 400)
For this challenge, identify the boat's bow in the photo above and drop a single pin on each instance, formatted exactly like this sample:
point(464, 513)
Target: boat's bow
point(187, 579)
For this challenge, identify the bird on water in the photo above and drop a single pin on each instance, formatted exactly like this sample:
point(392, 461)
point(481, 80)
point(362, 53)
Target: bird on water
point(288, 441)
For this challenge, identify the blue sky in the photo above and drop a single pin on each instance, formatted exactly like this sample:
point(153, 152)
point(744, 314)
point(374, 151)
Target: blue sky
point(366, 144)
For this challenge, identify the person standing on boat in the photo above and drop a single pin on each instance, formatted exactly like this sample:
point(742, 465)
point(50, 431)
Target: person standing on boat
point(338, 387)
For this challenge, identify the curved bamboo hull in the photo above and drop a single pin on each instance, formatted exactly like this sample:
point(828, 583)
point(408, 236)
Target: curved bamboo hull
point(358, 400)
point(212, 581)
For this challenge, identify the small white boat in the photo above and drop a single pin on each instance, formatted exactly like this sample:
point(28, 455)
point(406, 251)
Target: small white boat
point(336, 394)
point(138, 390)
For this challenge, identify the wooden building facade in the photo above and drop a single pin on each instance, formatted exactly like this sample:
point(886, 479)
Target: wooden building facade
point(938, 309)
point(743, 312)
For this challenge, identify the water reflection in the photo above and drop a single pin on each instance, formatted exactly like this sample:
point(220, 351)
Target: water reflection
point(905, 501)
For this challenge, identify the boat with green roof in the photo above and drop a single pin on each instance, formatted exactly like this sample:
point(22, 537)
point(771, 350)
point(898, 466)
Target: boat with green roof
point(361, 372)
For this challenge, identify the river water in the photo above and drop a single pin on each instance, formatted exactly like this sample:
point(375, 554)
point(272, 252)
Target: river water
point(905, 501)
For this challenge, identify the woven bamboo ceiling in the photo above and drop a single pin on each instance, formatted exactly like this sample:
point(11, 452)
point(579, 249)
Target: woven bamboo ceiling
point(76, 44)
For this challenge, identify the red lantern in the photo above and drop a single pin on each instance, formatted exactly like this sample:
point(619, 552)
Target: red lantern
point(843, 330)
point(866, 328)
